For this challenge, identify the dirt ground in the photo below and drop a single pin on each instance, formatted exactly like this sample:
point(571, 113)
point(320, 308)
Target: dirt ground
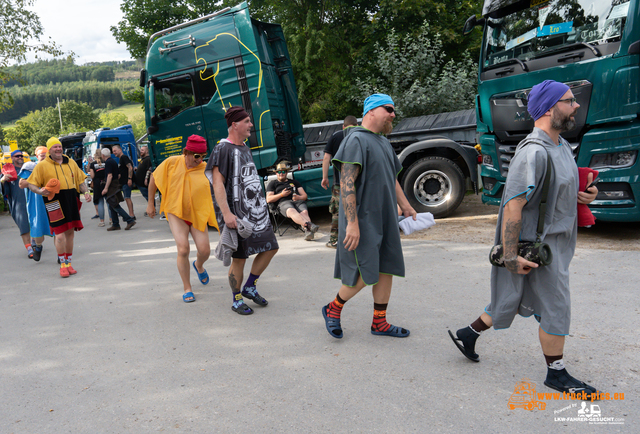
point(475, 222)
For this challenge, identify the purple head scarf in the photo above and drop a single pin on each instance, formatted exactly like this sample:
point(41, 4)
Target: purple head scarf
point(543, 96)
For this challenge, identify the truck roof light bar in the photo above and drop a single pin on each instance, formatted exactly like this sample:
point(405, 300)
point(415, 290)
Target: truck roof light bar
point(187, 24)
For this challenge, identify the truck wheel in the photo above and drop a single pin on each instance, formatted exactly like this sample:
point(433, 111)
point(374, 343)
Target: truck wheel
point(435, 185)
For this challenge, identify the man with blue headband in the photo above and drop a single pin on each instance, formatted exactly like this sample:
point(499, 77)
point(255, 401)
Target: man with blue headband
point(521, 287)
point(368, 249)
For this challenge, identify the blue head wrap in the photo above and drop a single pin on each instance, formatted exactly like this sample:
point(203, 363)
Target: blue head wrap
point(376, 100)
point(543, 96)
point(16, 152)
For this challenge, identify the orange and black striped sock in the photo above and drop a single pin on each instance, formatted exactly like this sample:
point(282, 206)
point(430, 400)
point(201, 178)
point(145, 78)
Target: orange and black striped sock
point(380, 323)
point(335, 307)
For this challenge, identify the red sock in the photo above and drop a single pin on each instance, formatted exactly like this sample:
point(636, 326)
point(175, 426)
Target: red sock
point(380, 323)
point(335, 307)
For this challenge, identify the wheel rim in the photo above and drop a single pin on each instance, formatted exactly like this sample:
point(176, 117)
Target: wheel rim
point(432, 188)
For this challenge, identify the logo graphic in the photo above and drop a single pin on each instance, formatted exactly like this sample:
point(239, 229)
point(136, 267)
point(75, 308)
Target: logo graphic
point(524, 396)
point(589, 412)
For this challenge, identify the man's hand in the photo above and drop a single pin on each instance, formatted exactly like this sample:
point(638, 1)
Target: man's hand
point(129, 183)
point(151, 209)
point(104, 192)
point(230, 220)
point(325, 183)
point(519, 265)
point(352, 238)
point(87, 196)
point(43, 192)
point(410, 212)
point(286, 192)
point(586, 197)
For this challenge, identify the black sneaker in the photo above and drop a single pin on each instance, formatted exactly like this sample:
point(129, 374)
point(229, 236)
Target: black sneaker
point(314, 227)
point(308, 235)
point(563, 382)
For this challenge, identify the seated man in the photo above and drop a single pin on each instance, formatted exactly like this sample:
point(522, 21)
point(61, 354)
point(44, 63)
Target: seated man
point(288, 197)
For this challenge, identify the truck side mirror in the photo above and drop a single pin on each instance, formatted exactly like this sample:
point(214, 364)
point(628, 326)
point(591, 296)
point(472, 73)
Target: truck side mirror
point(471, 23)
point(143, 77)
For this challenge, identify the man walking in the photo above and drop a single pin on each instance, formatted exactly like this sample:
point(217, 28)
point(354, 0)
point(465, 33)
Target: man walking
point(329, 152)
point(111, 192)
point(238, 195)
point(16, 198)
point(60, 180)
point(521, 286)
point(370, 194)
point(125, 176)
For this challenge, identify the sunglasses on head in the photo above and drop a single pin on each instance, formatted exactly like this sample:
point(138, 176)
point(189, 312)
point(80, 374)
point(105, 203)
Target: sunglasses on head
point(281, 171)
point(388, 109)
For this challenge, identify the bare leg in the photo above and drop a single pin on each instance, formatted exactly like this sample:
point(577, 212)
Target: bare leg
point(261, 262)
point(347, 292)
point(203, 247)
point(180, 232)
point(236, 274)
point(297, 217)
point(130, 206)
point(26, 238)
point(486, 318)
point(552, 345)
point(39, 240)
point(60, 242)
point(382, 290)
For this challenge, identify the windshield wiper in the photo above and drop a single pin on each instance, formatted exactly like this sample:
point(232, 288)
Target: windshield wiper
point(508, 62)
point(570, 47)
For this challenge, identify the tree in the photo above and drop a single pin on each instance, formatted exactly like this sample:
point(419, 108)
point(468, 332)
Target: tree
point(113, 119)
point(36, 127)
point(415, 73)
point(20, 34)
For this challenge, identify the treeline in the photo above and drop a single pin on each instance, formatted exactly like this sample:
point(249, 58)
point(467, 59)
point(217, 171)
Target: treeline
point(96, 94)
point(65, 70)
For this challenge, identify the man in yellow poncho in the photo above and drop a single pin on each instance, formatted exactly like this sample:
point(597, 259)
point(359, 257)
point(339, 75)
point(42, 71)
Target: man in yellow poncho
point(187, 203)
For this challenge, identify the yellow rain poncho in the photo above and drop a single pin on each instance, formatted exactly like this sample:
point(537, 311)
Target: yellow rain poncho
point(185, 192)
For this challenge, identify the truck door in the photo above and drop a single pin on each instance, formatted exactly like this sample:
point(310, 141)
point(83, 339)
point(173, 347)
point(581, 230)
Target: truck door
point(177, 114)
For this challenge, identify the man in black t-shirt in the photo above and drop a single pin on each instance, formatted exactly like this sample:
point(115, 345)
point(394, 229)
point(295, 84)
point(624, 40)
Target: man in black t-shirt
point(110, 192)
point(125, 178)
point(142, 178)
point(329, 151)
point(289, 198)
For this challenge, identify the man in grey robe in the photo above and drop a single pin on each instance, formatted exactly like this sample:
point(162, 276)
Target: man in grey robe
point(368, 249)
point(521, 287)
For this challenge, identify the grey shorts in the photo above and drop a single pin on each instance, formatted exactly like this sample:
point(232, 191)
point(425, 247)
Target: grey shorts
point(284, 205)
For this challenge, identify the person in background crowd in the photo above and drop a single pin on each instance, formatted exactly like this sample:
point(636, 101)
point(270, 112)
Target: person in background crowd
point(125, 176)
point(96, 171)
point(16, 198)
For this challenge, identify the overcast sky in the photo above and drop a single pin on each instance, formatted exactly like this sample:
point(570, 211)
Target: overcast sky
point(82, 26)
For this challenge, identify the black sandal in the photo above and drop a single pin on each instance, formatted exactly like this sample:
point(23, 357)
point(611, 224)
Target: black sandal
point(242, 309)
point(468, 351)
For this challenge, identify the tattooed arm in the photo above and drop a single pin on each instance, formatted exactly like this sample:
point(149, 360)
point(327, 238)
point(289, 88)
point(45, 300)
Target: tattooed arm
point(511, 227)
point(348, 177)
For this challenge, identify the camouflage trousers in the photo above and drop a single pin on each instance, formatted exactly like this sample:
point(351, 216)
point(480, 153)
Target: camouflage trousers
point(334, 207)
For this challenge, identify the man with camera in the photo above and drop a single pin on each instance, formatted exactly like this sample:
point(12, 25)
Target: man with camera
point(289, 198)
point(521, 286)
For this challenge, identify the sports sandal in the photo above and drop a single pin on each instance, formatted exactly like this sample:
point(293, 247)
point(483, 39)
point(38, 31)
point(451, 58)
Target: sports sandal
point(563, 382)
point(333, 324)
point(395, 331)
point(469, 352)
point(188, 295)
point(202, 277)
point(242, 309)
point(255, 297)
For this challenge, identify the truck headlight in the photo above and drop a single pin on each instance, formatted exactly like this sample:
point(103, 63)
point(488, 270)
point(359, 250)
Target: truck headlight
point(614, 159)
point(487, 160)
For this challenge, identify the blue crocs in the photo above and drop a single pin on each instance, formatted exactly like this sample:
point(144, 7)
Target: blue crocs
point(188, 295)
point(202, 277)
point(333, 324)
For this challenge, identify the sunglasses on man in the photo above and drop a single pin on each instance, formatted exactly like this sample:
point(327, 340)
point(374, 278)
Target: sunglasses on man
point(281, 172)
point(388, 109)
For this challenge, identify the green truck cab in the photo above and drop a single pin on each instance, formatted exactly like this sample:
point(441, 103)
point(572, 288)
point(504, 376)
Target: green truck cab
point(195, 71)
point(593, 46)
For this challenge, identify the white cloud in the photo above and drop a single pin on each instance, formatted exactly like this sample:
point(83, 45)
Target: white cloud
point(82, 26)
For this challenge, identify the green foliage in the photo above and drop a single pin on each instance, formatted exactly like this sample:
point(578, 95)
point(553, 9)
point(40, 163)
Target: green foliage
point(113, 119)
point(415, 73)
point(36, 127)
point(20, 34)
point(97, 94)
point(60, 71)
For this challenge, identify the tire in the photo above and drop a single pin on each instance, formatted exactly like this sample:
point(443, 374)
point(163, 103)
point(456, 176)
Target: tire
point(435, 185)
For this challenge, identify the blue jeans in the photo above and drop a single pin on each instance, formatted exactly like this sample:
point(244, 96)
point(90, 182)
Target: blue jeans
point(145, 192)
point(126, 191)
point(115, 211)
point(100, 205)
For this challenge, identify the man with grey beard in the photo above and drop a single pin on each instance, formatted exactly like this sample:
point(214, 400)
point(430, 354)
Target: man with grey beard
point(522, 287)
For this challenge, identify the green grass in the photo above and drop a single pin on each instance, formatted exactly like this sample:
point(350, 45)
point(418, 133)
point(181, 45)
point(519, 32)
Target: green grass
point(129, 110)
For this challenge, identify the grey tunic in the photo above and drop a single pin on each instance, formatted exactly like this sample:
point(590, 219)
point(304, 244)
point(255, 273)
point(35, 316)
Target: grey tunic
point(544, 292)
point(379, 250)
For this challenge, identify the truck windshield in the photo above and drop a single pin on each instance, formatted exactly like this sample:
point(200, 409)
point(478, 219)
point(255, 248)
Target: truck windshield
point(551, 26)
point(173, 96)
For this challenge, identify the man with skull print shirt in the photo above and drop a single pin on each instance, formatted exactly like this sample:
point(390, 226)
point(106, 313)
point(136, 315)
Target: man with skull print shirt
point(238, 196)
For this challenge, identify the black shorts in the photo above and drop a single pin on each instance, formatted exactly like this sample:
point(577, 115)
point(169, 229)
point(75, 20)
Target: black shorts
point(284, 205)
